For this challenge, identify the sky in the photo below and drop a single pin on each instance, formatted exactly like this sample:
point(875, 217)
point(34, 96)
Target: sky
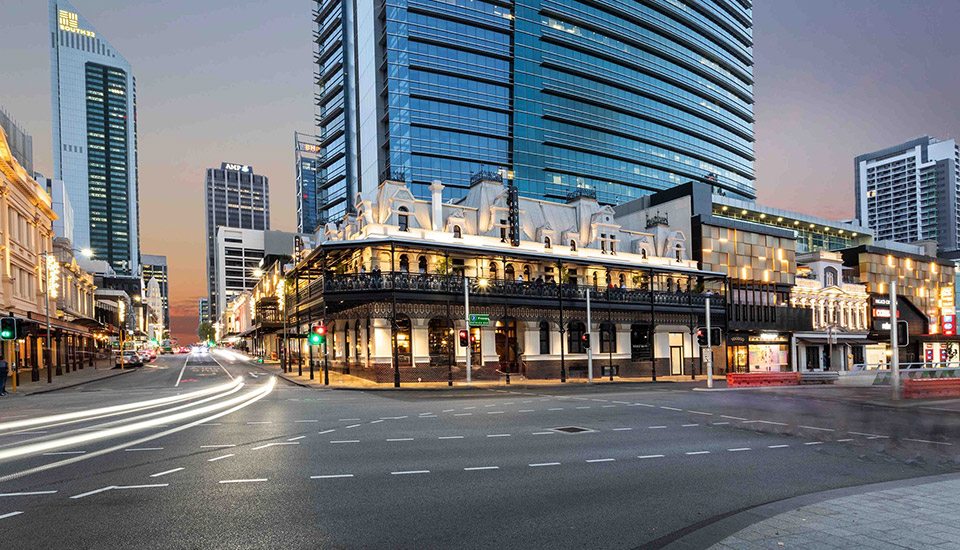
point(231, 80)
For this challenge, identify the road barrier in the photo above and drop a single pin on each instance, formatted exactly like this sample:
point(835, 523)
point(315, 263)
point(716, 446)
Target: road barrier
point(922, 388)
point(759, 379)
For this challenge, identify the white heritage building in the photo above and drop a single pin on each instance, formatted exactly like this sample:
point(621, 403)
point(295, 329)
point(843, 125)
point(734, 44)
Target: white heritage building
point(400, 265)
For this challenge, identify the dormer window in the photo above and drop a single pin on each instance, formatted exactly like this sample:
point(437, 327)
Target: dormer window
point(457, 234)
point(403, 219)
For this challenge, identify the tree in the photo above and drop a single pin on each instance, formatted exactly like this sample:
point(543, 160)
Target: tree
point(206, 332)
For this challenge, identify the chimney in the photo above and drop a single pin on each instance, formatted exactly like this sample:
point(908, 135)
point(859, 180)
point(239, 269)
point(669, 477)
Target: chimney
point(436, 204)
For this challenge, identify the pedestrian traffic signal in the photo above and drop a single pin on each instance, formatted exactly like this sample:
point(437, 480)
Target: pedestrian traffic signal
point(318, 335)
point(463, 338)
point(8, 328)
point(585, 338)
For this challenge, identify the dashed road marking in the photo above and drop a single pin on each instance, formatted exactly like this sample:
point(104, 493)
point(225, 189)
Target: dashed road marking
point(220, 458)
point(161, 474)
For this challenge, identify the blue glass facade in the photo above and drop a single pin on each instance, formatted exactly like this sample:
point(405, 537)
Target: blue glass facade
point(621, 97)
point(306, 172)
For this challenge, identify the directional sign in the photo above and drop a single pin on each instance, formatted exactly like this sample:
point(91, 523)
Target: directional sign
point(479, 320)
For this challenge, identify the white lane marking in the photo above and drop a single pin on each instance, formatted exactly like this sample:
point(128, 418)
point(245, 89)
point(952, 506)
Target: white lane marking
point(655, 427)
point(304, 421)
point(95, 491)
point(553, 409)
point(161, 474)
point(183, 367)
point(538, 464)
point(844, 440)
point(816, 428)
point(450, 437)
point(29, 494)
point(670, 408)
point(926, 441)
point(64, 453)
point(526, 410)
point(739, 449)
point(814, 443)
point(721, 423)
point(326, 431)
point(777, 446)
point(732, 417)
point(622, 429)
point(699, 412)
point(10, 515)
point(348, 420)
point(346, 441)
point(463, 414)
point(331, 476)
point(351, 426)
point(478, 468)
point(144, 449)
point(697, 453)
point(496, 412)
point(297, 438)
point(498, 435)
point(376, 421)
point(688, 425)
point(401, 439)
point(220, 458)
point(650, 456)
point(542, 433)
point(595, 460)
point(216, 446)
point(260, 422)
point(254, 480)
point(409, 472)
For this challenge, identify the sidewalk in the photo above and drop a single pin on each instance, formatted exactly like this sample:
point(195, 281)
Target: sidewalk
point(346, 381)
point(103, 368)
point(919, 513)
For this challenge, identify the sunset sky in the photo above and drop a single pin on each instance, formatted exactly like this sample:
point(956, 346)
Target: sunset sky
point(231, 80)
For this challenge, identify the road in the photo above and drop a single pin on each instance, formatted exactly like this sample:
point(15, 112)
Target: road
point(209, 451)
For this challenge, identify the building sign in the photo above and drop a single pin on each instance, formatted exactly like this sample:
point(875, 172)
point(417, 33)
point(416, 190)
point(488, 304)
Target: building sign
point(67, 21)
point(245, 168)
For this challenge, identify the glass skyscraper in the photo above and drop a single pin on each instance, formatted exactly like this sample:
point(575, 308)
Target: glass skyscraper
point(618, 97)
point(306, 170)
point(95, 137)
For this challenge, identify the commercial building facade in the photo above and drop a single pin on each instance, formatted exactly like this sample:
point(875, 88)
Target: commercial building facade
point(237, 198)
point(308, 195)
point(622, 99)
point(93, 94)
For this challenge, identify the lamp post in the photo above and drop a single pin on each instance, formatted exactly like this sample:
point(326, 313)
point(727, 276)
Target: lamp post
point(47, 256)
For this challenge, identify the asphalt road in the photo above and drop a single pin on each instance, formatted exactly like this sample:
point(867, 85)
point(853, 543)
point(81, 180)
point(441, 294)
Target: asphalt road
point(198, 460)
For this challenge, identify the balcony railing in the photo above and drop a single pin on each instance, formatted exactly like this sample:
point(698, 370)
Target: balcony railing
point(453, 284)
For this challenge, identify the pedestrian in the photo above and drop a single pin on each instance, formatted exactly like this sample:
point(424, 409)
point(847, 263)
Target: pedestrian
point(4, 372)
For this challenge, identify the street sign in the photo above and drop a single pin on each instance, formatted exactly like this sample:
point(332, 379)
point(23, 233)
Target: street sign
point(479, 320)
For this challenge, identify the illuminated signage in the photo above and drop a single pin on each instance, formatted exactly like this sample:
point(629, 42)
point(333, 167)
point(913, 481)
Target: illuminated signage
point(68, 22)
point(246, 169)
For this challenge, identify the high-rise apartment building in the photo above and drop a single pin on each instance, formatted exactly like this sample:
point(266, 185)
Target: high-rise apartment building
point(238, 198)
point(94, 100)
point(154, 266)
point(909, 192)
point(305, 152)
point(621, 98)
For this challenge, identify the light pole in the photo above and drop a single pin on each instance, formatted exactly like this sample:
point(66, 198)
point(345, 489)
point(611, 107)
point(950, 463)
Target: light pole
point(47, 256)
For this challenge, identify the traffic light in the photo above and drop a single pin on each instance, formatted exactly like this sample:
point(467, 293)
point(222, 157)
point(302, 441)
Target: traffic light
point(318, 335)
point(8, 328)
point(463, 338)
point(585, 338)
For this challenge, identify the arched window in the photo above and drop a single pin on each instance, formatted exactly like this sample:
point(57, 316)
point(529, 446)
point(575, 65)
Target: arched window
point(508, 273)
point(608, 337)
point(403, 219)
point(544, 338)
point(457, 233)
point(546, 242)
point(575, 332)
point(573, 246)
point(404, 263)
point(422, 264)
point(493, 270)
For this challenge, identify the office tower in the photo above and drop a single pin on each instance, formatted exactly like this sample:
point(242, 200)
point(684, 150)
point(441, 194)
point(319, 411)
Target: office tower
point(306, 170)
point(95, 137)
point(617, 99)
point(909, 192)
point(236, 197)
point(154, 266)
point(19, 141)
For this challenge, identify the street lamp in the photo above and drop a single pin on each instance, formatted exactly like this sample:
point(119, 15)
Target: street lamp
point(50, 261)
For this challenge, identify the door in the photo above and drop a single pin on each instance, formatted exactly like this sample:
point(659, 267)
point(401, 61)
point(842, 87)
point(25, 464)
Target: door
point(676, 360)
